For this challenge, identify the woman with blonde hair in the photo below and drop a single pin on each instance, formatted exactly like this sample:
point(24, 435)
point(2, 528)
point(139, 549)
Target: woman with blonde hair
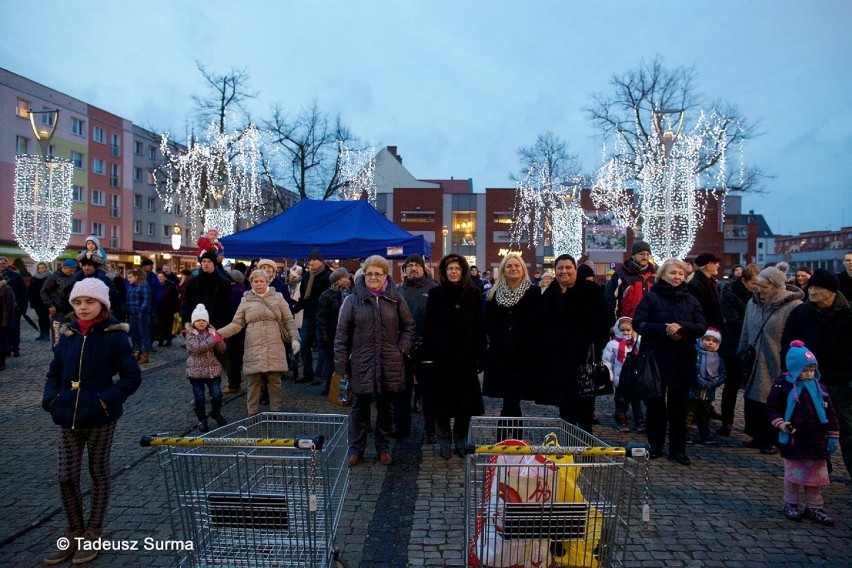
point(260, 312)
point(510, 323)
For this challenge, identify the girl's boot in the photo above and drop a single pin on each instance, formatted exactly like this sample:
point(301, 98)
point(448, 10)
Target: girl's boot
point(216, 412)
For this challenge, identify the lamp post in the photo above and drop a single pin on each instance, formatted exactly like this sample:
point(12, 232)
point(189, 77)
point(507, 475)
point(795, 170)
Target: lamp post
point(445, 232)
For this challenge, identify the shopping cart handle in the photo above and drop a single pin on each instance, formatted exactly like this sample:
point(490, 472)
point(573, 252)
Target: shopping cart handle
point(638, 449)
point(304, 443)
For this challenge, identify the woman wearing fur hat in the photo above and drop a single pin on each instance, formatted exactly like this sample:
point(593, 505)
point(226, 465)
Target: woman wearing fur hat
point(763, 325)
point(85, 402)
point(260, 313)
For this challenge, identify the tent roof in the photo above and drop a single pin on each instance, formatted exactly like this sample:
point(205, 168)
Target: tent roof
point(339, 229)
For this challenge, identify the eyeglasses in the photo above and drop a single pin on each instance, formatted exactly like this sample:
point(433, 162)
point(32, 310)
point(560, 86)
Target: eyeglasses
point(374, 274)
point(412, 265)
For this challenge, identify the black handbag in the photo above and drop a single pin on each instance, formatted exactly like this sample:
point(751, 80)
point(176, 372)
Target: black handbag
point(646, 381)
point(593, 377)
point(749, 358)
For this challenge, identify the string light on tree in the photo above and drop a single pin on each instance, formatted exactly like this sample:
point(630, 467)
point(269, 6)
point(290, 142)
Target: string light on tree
point(224, 220)
point(357, 173)
point(568, 221)
point(662, 190)
point(42, 219)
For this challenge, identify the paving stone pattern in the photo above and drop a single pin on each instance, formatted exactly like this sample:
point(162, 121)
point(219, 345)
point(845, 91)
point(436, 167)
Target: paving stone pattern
point(724, 510)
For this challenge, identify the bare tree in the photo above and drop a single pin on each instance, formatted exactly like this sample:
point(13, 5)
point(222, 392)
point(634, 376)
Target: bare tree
point(224, 91)
point(549, 155)
point(310, 143)
point(628, 110)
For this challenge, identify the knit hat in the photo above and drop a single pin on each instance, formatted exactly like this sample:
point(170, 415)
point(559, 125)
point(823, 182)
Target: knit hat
point(296, 270)
point(416, 259)
point(69, 263)
point(640, 246)
point(267, 262)
point(200, 313)
point(146, 262)
point(799, 357)
point(237, 276)
point(338, 275)
point(706, 258)
point(209, 255)
point(315, 255)
point(822, 278)
point(713, 332)
point(584, 271)
point(91, 288)
point(773, 276)
point(783, 267)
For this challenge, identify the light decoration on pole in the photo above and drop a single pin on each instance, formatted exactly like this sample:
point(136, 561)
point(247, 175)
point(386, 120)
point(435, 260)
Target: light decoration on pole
point(176, 237)
point(661, 191)
point(547, 207)
point(231, 161)
point(42, 219)
point(357, 173)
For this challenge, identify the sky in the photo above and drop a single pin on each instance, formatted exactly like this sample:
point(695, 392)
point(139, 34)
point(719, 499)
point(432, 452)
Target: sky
point(458, 87)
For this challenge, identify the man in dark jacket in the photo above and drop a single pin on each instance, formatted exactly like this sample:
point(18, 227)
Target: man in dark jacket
point(54, 294)
point(705, 288)
point(328, 310)
point(92, 267)
point(824, 324)
point(845, 277)
point(22, 302)
point(314, 283)
point(630, 282)
point(415, 291)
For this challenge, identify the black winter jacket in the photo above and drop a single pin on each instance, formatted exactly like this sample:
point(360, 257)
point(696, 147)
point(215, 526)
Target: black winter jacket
point(416, 295)
point(90, 362)
point(828, 334)
point(570, 322)
point(320, 285)
point(55, 291)
point(328, 312)
point(706, 291)
point(214, 291)
point(661, 305)
point(735, 297)
point(512, 338)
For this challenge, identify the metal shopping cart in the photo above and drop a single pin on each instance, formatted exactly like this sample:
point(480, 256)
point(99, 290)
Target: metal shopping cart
point(565, 501)
point(267, 490)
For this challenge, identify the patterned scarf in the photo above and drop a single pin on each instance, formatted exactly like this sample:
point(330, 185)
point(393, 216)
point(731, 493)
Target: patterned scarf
point(508, 298)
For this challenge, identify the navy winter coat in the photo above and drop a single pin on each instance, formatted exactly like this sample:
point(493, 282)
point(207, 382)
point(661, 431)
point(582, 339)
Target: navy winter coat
point(661, 305)
point(373, 332)
point(90, 362)
point(810, 439)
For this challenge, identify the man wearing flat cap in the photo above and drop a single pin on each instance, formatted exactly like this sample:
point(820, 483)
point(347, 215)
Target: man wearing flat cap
point(824, 323)
point(630, 282)
point(705, 288)
point(315, 281)
point(93, 267)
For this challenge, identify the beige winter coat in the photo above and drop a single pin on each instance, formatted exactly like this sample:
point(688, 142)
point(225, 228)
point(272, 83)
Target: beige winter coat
point(264, 351)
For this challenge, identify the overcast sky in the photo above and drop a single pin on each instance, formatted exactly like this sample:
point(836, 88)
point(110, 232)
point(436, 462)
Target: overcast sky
point(459, 86)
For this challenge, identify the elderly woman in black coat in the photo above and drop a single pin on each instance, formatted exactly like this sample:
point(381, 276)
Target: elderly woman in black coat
point(511, 323)
point(453, 352)
point(374, 329)
point(670, 320)
point(573, 320)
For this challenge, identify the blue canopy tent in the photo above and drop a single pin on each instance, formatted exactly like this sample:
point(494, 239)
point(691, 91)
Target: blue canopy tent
point(340, 229)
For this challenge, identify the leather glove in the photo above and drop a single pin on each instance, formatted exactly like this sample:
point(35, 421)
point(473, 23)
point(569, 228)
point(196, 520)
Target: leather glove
point(831, 446)
point(787, 427)
point(296, 346)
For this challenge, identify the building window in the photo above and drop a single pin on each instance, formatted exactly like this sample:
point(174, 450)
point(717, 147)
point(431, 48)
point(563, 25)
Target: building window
point(137, 148)
point(78, 194)
point(114, 146)
point(47, 118)
point(137, 201)
point(22, 144)
point(114, 206)
point(114, 237)
point(152, 152)
point(77, 226)
point(167, 231)
point(504, 218)
point(98, 134)
point(51, 150)
point(78, 127)
point(150, 229)
point(23, 108)
point(417, 216)
point(114, 175)
point(151, 178)
point(152, 204)
point(98, 166)
point(760, 245)
point(77, 159)
point(98, 229)
point(137, 227)
point(464, 228)
point(97, 197)
point(137, 174)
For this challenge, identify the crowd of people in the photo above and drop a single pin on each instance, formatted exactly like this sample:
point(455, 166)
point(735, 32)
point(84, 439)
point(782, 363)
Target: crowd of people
point(437, 344)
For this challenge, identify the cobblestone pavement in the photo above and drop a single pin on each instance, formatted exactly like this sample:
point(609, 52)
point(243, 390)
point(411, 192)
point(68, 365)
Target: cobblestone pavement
point(724, 510)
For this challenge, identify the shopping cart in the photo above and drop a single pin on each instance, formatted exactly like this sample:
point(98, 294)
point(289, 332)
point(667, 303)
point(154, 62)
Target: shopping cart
point(267, 490)
point(565, 501)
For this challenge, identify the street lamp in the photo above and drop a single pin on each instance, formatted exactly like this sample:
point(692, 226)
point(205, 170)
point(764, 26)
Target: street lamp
point(445, 232)
point(176, 237)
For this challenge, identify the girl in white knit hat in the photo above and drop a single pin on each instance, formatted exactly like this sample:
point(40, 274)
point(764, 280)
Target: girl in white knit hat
point(203, 369)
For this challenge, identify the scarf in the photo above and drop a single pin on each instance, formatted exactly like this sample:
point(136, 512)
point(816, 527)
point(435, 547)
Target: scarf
point(508, 298)
point(381, 290)
point(86, 325)
point(709, 366)
point(623, 344)
point(311, 280)
point(793, 398)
